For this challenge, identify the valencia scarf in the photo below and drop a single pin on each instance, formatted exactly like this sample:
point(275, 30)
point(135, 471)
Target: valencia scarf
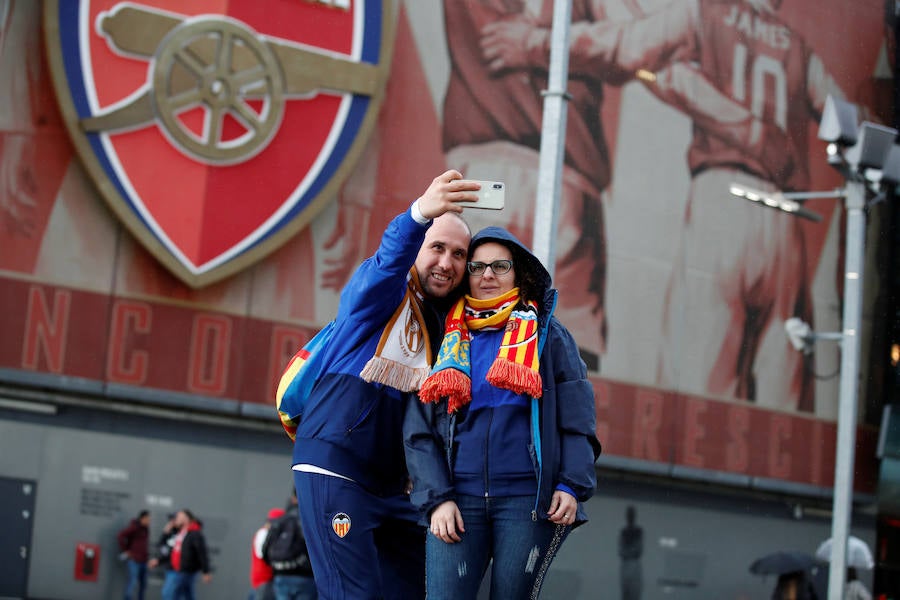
point(403, 357)
point(516, 365)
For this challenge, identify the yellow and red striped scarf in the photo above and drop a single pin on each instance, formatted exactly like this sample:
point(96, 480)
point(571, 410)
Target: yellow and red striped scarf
point(516, 365)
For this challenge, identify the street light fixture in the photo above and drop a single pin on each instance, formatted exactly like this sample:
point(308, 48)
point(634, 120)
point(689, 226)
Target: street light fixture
point(871, 148)
point(784, 201)
point(838, 124)
point(868, 159)
point(890, 172)
point(866, 155)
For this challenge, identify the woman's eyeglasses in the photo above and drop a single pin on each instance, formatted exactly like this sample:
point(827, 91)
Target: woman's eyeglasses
point(499, 267)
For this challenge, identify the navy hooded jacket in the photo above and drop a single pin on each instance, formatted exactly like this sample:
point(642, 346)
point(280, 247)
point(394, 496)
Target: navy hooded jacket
point(350, 426)
point(563, 443)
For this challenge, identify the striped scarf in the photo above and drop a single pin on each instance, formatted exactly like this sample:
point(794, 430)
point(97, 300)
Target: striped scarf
point(516, 365)
point(403, 356)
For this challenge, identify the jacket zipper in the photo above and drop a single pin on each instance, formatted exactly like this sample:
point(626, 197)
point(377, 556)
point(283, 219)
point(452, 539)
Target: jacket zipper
point(450, 437)
point(487, 444)
point(536, 442)
point(362, 417)
point(536, 413)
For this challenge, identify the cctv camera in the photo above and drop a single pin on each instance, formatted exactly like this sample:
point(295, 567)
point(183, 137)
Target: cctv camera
point(799, 334)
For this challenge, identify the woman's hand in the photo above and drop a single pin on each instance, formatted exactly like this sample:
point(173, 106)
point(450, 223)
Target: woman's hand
point(562, 508)
point(446, 521)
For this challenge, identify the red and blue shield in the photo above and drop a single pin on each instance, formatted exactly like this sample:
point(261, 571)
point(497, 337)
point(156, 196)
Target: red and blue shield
point(216, 129)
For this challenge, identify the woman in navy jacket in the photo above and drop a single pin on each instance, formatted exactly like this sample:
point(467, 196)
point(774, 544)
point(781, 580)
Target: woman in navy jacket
point(501, 445)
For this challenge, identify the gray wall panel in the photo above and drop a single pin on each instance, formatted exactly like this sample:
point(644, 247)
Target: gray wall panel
point(92, 479)
point(697, 534)
point(22, 450)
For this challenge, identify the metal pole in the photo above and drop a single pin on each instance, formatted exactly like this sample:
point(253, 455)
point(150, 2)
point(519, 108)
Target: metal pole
point(553, 138)
point(846, 434)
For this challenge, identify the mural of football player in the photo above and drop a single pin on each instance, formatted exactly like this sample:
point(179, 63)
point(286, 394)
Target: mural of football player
point(741, 270)
point(492, 119)
point(387, 177)
point(19, 71)
point(33, 153)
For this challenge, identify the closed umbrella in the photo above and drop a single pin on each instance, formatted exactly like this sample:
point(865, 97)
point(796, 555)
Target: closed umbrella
point(858, 553)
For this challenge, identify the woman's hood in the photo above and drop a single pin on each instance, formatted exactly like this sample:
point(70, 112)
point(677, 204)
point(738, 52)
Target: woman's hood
point(502, 236)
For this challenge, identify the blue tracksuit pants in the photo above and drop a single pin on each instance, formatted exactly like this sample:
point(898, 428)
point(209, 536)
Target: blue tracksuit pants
point(361, 546)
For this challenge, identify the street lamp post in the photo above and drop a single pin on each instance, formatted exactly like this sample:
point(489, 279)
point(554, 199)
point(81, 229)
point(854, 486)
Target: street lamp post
point(842, 508)
point(870, 158)
point(854, 196)
point(553, 138)
point(867, 157)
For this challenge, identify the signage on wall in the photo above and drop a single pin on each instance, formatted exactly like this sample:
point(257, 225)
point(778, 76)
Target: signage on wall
point(216, 136)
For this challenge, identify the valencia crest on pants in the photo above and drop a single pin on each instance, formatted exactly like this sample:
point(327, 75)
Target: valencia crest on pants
point(340, 523)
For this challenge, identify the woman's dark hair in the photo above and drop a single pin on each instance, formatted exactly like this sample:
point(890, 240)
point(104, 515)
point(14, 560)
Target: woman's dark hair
point(531, 278)
point(529, 282)
point(801, 583)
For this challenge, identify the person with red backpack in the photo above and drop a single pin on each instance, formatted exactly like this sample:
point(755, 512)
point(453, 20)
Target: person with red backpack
point(260, 572)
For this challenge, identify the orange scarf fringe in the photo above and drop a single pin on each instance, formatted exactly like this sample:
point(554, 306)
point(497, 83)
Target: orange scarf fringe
point(517, 363)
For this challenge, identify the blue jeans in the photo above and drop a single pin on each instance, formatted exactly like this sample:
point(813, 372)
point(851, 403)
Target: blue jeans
point(263, 592)
point(294, 587)
point(137, 579)
point(178, 586)
point(500, 529)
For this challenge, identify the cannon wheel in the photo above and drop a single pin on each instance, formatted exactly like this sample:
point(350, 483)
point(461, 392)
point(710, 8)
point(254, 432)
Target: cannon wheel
point(217, 65)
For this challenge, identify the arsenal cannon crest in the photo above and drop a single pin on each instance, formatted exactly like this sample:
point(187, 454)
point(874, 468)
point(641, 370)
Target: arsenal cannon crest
point(216, 130)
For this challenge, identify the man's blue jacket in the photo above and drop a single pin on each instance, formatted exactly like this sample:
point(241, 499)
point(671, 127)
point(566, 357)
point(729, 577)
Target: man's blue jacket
point(350, 426)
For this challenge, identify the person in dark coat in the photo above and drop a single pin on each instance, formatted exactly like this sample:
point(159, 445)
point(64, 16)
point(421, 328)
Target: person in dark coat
point(133, 549)
point(631, 547)
point(292, 579)
point(164, 544)
point(189, 557)
point(501, 447)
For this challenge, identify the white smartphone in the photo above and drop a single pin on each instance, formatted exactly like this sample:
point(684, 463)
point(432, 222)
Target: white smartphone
point(492, 195)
